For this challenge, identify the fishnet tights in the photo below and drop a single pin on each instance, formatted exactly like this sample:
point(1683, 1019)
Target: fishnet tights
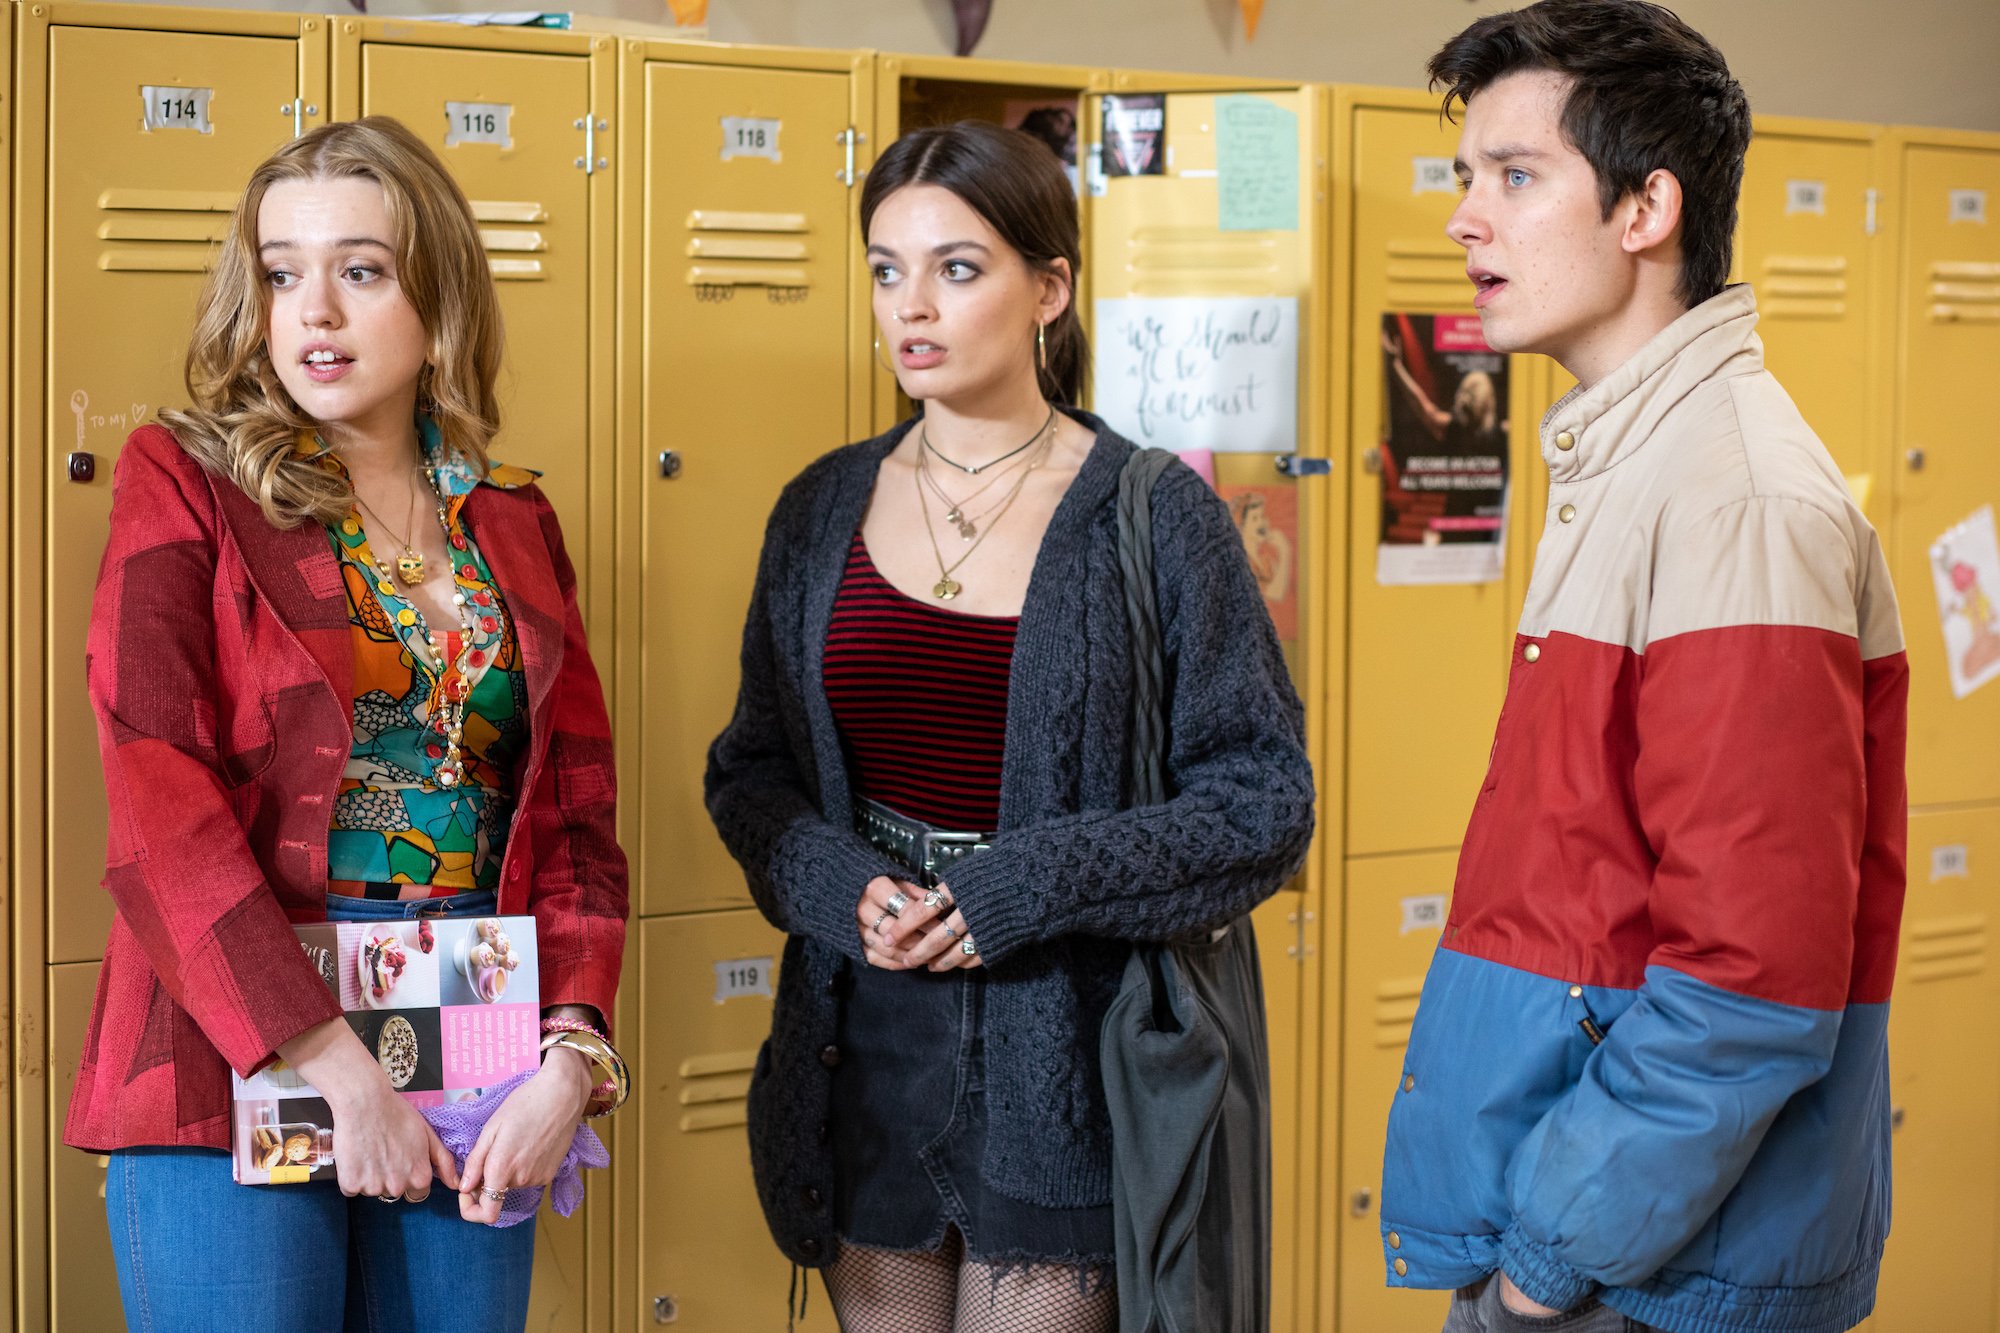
point(880, 1291)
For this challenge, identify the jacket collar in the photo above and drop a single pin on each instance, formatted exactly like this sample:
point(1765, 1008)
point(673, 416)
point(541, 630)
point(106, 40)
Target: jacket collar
point(1614, 418)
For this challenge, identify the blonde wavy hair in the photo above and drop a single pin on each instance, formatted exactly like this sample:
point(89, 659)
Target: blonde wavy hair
point(243, 424)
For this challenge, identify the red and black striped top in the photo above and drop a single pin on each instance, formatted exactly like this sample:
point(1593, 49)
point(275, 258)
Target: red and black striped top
point(920, 697)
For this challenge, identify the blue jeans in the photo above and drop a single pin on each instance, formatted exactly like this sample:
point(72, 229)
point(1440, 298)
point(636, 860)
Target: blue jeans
point(198, 1252)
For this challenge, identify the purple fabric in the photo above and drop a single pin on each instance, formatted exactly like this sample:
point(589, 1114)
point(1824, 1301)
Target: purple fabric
point(458, 1125)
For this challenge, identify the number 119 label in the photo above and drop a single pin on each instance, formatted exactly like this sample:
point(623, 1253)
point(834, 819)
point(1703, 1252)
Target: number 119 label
point(750, 136)
point(739, 978)
point(177, 108)
point(479, 122)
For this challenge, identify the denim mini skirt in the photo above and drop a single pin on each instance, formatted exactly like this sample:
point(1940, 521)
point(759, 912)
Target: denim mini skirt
point(909, 1130)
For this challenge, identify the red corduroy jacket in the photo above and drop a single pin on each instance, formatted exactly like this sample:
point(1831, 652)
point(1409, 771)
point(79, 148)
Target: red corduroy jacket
point(220, 669)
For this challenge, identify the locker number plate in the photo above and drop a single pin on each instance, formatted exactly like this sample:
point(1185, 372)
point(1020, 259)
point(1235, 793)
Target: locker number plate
point(177, 108)
point(1950, 862)
point(1433, 175)
point(1423, 913)
point(1805, 197)
point(479, 122)
point(1968, 206)
point(740, 978)
point(750, 136)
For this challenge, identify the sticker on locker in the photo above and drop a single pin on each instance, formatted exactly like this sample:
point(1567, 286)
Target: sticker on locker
point(1967, 206)
point(1805, 197)
point(1433, 175)
point(1424, 912)
point(479, 122)
point(177, 108)
point(750, 136)
point(742, 978)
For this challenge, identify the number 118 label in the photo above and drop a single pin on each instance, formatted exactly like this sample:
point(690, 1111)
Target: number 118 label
point(750, 136)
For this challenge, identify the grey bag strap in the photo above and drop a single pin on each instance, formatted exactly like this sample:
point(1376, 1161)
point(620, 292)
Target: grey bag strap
point(1142, 610)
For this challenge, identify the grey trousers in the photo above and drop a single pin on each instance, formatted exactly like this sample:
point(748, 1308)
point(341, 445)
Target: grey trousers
point(1478, 1309)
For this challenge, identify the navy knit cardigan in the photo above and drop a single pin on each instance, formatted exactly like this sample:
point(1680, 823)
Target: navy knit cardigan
point(1073, 876)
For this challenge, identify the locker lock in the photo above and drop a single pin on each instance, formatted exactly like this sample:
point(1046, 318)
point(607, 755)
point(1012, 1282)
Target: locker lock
point(82, 466)
point(1915, 458)
point(1363, 1200)
point(666, 1310)
point(1895, 1118)
point(670, 464)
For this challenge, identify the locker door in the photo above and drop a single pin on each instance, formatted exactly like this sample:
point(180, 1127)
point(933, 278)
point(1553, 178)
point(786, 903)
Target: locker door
point(1949, 466)
point(85, 1294)
point(1160, 237)
point(132, 213)
point(1807, 213)
point(1395, 913)
point(1944, 1025)
point(745, 380)
point(1426, 665)
point(513, 149)
point(706, 1262)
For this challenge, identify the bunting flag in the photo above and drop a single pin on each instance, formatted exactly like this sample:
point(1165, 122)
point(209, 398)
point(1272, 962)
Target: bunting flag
point(1252, 11)
point(689, 13)
point(971, 16)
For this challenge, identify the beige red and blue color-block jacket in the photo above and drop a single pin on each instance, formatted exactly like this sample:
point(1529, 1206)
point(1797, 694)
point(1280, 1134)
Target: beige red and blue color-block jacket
point(1650, 1060)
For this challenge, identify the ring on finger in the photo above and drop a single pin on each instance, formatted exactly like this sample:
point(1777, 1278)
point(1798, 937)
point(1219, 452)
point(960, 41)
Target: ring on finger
point(937, 899)
point(968, 948)
point(416, 1198)
point(877, 927)
point(390, 1198)
point(493, 1194)
point(897, 902)
point(950, 932)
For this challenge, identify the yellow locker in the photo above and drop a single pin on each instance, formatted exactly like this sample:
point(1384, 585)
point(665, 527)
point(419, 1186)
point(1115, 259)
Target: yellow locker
point(137, 127)
point(705, 1260)
point(1160, 236)
point(1947, 467)
point(1425, 664)
point(521, 119)
point(740, 371)
point(86, 1284)
point(1944, 1024)
point(1810, 245)
point(1396, 908)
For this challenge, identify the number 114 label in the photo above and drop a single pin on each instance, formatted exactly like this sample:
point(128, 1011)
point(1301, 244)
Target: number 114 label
point(177, 108)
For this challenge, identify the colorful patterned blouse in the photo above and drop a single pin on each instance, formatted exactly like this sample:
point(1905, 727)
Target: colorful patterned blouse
point(396, 831)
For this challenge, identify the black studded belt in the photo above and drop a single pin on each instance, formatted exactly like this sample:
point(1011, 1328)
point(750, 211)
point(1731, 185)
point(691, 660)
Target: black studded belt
point(925, 849)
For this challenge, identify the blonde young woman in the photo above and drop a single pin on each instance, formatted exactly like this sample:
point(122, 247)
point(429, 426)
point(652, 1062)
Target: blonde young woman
point(925, 776)
point(339, 673)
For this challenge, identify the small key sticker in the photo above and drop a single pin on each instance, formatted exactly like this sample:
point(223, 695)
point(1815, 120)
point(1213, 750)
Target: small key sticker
point(740, 978)
point(479, 122)
point(1433, 175)
point(1950, 862)
point(1425, 912)
point(1968, 206)
point(1805, 197)
point(750, 136)
point(177, 108)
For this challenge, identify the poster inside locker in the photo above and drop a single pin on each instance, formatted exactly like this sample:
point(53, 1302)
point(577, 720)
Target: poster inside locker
point(1443, 454)
point(1965, 565)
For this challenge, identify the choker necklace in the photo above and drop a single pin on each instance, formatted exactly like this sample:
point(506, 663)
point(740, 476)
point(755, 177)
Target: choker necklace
point(955, 509)
point(924, 436)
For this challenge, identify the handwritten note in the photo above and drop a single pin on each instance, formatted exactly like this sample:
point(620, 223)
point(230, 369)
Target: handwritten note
point(1257, 164)
point(1217, 373)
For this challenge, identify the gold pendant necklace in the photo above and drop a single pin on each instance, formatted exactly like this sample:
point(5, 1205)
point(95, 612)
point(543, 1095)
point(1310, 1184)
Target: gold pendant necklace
point(947, 587)
point(410, 564)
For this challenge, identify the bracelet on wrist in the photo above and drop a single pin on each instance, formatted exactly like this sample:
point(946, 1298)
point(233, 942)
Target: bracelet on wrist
point(605, 1058)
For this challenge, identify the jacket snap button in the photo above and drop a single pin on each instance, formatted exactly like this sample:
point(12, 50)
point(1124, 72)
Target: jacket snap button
point(1565, 441)
point(1395, 1241)
point(1576, 992)
point(829, 1056)
point(1567, 513)
point(811, 1196)
point(1402, 1269)
point(1532, 653)
point(1409, 1083)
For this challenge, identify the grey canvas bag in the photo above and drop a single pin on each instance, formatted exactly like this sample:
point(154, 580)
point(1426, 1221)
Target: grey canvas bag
point(1186, 1065)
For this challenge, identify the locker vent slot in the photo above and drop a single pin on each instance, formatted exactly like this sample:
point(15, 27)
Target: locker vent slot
point(708, 219)
point(507, 247)
point(1977, 293)
point(714, 1090)
point(1427, 275)
point(773, 265)
point(1946, 947)
point(162, 231)
point(744, 247)
point(1804, 287)
point(1395, 1011)
point(1965, 314)
point(507, 210)
point(1965, 292)
point(1947, 270)
point(1169, 261)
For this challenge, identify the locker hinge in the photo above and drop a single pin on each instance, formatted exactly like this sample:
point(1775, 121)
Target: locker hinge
point(1296, 465)
point(590, 163)
point(1300, 950)
point(1874, 196)
point(849, 139)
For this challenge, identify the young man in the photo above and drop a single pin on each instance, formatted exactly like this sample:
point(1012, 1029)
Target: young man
point(1647, 1081)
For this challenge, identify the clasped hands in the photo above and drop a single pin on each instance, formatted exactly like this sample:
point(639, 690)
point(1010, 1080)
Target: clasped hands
point(903, 929)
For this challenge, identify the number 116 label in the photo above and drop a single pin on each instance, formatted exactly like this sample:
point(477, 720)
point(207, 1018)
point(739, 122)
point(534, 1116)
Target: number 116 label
point(479, 122)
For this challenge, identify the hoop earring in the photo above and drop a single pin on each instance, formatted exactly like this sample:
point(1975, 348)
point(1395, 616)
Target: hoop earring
point(1042, 344)
point(878, 356)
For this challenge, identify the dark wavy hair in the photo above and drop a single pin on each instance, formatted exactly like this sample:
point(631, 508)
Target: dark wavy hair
point(1647, 93)
point(1018, 186)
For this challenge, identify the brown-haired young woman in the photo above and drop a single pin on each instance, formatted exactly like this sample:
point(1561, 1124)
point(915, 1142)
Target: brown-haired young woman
point(339, 674)
point(925, 776)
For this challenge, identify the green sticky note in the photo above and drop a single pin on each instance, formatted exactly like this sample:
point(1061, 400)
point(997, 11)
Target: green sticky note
point(1256, 164)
